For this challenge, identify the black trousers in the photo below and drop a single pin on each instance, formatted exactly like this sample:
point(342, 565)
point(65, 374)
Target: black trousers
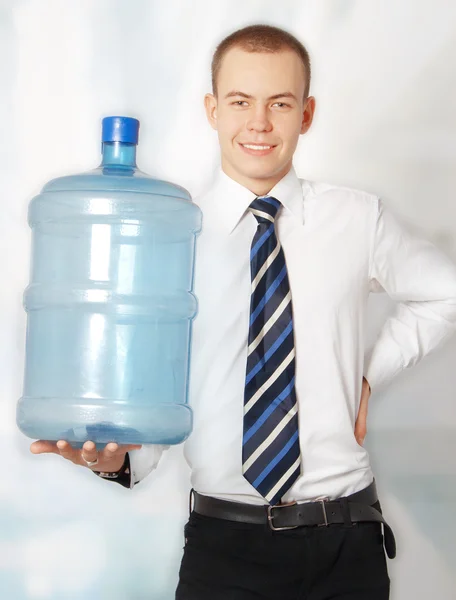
point(227, 560)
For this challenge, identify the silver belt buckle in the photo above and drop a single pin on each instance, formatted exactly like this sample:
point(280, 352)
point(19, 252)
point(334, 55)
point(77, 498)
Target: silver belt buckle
point(270, 516)
point(322, 500)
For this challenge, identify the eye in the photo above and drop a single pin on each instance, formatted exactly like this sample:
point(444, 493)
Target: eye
point(240, 102)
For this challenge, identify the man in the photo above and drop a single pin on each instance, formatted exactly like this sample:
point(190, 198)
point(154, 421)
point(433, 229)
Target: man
point(285, 502)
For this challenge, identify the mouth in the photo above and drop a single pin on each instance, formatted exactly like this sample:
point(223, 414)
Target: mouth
point(257, 149)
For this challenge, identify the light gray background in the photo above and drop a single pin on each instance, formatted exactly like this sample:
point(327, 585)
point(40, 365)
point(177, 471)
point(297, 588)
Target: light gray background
point(384, 75)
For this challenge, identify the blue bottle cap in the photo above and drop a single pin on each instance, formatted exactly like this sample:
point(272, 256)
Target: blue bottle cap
point(120, 129)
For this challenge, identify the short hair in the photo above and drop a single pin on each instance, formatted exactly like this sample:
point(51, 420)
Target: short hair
point(260, 38)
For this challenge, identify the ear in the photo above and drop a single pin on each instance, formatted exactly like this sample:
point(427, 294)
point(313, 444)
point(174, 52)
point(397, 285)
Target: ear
point(210, 104)
point(308, 114)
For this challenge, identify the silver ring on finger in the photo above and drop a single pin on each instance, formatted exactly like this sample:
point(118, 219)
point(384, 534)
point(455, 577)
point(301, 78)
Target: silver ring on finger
point(89, 463)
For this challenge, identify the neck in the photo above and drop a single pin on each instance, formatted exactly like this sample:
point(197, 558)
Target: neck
point(259, 187)
point(120, 154)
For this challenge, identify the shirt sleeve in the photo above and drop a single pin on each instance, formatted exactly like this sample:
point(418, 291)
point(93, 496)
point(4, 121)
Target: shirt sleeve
point(422, 280)
point(144, 460)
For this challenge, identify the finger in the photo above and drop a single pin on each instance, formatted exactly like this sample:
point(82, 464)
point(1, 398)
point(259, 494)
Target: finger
point(42, 446)
point(88, 452)
point(109, 451)
point(67, 451)
point(112, 448)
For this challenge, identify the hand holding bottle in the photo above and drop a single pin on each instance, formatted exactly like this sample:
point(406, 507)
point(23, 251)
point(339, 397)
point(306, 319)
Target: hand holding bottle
point(110, 458)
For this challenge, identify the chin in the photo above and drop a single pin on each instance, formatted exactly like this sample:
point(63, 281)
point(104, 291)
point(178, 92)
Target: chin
point(263, 173)
point(250, 169)
point(258, 170)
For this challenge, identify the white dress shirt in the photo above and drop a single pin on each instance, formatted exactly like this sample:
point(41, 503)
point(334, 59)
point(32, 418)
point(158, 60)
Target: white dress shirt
point(340, 244)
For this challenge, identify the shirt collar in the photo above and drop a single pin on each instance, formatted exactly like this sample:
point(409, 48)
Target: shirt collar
point(233, 199)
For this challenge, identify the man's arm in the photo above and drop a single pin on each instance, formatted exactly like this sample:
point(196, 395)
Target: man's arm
point(125, 464)
point(422, 279)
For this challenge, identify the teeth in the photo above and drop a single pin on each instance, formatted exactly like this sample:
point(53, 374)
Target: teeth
point(256, 147)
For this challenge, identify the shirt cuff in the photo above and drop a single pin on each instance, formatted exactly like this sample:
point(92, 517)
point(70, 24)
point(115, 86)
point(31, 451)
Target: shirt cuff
point(144, 460)
point(123, 478)
point(383, 364)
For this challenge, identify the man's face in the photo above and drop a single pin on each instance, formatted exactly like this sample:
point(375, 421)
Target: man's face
point(259, 119)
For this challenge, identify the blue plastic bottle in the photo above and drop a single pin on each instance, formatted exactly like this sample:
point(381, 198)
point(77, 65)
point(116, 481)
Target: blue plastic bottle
point(110, 303)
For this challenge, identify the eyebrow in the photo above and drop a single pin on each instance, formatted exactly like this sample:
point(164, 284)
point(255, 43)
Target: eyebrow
point(274, 97)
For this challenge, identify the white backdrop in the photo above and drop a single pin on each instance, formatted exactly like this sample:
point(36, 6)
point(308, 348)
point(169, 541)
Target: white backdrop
point(384, 76)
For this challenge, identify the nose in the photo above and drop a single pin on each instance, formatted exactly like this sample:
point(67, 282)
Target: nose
point(259, 120)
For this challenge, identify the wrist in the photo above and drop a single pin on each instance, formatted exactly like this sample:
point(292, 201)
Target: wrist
point(124, 468)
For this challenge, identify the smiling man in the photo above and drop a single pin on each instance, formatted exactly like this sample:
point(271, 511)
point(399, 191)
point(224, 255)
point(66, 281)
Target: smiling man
point(260, 107)
point(285, 505)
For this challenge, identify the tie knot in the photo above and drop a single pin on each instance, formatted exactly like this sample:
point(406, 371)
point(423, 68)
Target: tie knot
point(265, 208)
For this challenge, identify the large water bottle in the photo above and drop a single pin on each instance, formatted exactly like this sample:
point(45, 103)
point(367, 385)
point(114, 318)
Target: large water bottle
point(110, 303)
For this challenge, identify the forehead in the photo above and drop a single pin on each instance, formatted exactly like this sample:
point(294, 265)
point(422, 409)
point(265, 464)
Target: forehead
point(258, 72)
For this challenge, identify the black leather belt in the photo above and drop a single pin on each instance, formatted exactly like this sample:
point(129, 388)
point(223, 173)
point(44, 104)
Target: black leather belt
point(321, 512)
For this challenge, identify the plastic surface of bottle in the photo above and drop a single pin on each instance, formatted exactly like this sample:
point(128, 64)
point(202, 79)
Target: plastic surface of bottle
point(110, 303)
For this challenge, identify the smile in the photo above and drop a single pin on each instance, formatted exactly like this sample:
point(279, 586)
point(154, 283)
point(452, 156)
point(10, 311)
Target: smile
point(257, 149)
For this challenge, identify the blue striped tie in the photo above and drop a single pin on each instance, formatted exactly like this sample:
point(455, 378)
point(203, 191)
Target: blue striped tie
point(270, 447)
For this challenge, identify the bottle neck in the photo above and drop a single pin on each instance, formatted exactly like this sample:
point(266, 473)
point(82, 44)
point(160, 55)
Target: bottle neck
point(118, 154)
